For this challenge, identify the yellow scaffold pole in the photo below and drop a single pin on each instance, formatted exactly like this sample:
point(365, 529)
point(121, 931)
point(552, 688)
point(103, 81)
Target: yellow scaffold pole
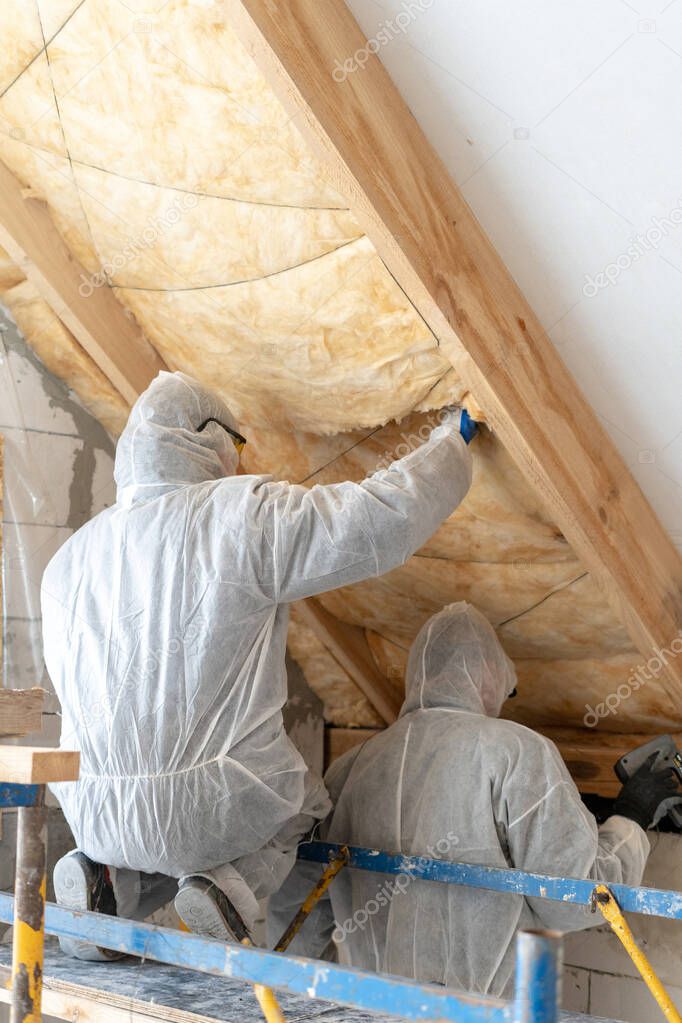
point(29, 912)
point(266, 997)
point(611, 911)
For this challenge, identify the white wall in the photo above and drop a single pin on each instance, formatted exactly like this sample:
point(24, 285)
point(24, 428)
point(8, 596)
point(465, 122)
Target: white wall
point(561, 122)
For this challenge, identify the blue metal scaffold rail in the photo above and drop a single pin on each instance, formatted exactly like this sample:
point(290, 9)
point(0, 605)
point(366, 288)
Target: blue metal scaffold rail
point(650, 901)
point(537, 970)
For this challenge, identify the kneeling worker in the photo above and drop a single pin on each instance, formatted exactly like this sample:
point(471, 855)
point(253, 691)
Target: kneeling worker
point(165, 622)
point(451, 781)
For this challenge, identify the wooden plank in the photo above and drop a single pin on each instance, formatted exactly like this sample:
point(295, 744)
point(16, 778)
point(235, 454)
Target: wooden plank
point(348, 645)
point(93, 314)
point(379, 158)
point(133, 990)
point(21, 711)
point(589, 756)
point(38, 765)
point(72, 1001)
point(338, 741)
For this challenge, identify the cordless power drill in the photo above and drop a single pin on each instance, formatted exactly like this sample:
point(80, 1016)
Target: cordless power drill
point(668, 757)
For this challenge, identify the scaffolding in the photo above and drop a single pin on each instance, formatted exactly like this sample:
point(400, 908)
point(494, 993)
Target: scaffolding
point(538, 954)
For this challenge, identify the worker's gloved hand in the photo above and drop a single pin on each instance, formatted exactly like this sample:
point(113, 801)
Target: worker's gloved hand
point(642, 795)
point(461, 421)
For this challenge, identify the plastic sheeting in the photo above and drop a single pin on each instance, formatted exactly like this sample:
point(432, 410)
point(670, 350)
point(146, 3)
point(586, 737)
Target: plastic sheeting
point(26, 501)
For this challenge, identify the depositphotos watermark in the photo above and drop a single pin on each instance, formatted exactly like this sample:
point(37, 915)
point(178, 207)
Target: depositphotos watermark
point(640, 245)
point(145, 240)
point(387, 32)
point(358, 921)
point(637, 679)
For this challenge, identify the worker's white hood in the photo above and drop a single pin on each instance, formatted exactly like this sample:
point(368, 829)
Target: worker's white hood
point(457, 661)
point(160, 448)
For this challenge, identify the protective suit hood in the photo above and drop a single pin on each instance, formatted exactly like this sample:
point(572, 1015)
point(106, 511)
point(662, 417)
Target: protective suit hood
point(457, 661)
point(160, 448)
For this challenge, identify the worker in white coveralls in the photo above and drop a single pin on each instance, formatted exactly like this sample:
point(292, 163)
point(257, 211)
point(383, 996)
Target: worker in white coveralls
point(165, 622)
point(451, 781)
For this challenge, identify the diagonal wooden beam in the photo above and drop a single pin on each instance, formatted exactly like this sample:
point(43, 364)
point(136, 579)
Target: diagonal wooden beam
point(349, 647)
point(431, 242)
point(94, 315)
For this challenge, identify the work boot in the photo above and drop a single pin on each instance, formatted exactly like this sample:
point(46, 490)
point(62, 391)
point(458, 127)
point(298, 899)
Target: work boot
point(206, 910)
point(80, 884)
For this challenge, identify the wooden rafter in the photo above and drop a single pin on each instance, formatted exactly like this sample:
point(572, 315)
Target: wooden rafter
point(349, 647)
point(379, 158)
point(93, 314)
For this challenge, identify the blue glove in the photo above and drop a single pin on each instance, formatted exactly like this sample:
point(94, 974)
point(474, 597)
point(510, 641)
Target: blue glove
point(459, 419)
point(467, 426)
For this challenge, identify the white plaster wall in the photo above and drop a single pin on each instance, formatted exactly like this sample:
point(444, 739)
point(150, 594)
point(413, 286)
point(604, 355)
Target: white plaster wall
point(58, 474)
point(561, 123)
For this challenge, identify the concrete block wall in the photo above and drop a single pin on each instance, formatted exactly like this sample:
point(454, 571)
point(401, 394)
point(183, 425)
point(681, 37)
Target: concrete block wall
point(600, 977)
point(58, 474)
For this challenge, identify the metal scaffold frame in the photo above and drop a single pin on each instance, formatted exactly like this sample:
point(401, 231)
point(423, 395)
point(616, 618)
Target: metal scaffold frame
point(538, 963)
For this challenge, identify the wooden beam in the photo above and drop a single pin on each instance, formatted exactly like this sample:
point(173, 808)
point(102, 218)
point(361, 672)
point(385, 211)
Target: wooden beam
point(94, 315)
point(348, 645)
point(21, 711)
point(38, 765)
point(338, 741)
point(589, 755)
point(428, 237)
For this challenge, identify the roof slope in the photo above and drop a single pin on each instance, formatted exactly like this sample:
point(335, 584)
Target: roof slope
point(177, 178)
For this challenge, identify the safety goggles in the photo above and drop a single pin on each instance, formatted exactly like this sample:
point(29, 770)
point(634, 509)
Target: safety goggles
point(237, 439)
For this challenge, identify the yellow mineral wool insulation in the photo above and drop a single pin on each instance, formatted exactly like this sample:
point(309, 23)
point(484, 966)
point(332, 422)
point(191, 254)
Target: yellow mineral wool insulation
point(328, 346)
point(319, 336)
point(168, 239)
point(502, 519)
point(556, 692)
point(10, 274)
point(50, 178)
point(575, 621)
point(28, 112)
point(295, 456)
point(63, 356)
point(26, 43)
point(173, 99)
point(560, 692)
point(343, 702)
point(551, 615)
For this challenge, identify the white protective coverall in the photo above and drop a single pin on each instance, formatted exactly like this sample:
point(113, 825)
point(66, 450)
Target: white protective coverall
point(165, 622)
point(451, 781)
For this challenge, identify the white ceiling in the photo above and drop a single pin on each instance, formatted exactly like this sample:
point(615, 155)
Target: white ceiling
point(562, 124)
